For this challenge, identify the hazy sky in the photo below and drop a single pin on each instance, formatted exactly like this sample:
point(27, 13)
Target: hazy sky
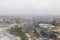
point(29, 7)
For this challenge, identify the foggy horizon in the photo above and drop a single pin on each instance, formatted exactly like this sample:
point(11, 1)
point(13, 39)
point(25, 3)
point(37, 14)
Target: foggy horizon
point(29, 7)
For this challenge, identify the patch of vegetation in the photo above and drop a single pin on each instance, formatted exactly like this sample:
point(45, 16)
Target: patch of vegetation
point(18, 32)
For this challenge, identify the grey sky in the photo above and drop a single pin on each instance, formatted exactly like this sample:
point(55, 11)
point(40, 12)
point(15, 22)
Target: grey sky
point(29, 7)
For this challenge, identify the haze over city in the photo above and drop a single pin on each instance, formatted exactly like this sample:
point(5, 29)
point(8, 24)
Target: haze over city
point(29, 19)
point(29, 7)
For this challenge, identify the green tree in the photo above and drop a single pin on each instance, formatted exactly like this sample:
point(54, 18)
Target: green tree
point(18, 32)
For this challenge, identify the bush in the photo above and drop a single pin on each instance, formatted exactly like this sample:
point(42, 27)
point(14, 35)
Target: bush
point(18, 32)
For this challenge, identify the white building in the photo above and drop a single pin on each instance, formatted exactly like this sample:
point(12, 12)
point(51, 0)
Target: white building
point(6, 36)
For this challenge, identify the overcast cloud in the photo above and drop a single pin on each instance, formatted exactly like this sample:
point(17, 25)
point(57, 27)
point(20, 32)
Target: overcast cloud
point(29, 7)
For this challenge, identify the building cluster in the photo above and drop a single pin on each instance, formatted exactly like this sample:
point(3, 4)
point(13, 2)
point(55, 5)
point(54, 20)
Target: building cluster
point(31, 26)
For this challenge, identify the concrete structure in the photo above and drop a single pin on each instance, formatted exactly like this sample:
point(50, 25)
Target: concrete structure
point(46, 26)
point(6, 36)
